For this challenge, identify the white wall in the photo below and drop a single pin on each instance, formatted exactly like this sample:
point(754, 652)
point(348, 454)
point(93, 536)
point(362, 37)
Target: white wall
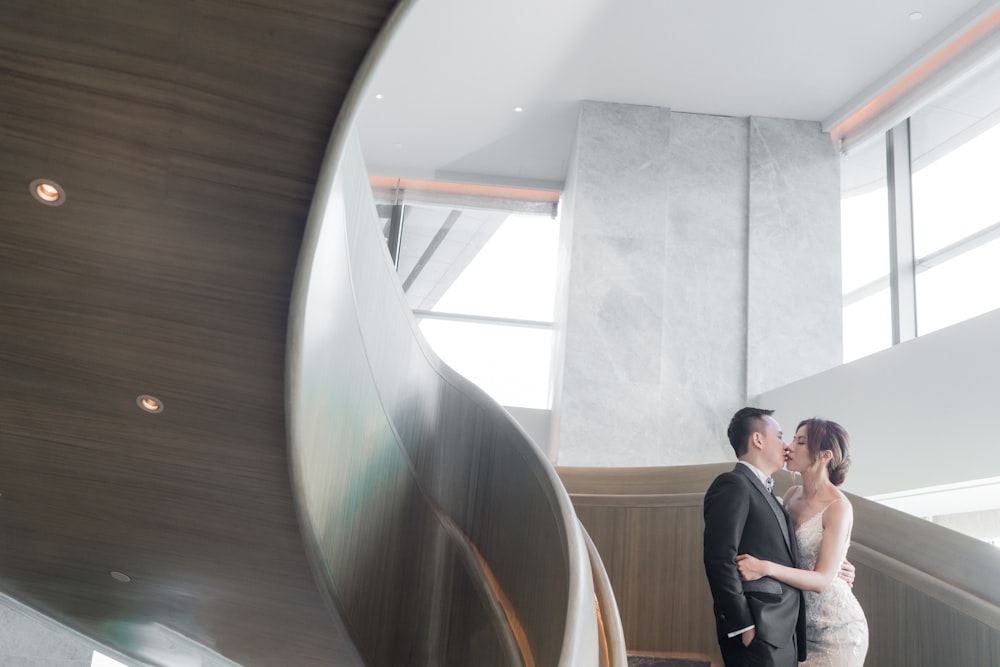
point(920, 414)
point(537, 423)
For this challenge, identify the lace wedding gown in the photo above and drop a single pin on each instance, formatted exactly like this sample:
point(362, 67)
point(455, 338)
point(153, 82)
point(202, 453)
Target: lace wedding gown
point(836, 628)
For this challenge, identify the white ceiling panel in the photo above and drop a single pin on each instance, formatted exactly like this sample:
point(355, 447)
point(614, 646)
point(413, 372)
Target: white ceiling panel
point(456, 69)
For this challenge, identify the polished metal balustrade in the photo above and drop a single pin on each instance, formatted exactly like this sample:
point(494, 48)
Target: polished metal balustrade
point(439, 532)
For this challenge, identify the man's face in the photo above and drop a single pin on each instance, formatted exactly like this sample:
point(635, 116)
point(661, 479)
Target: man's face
point(774, 447)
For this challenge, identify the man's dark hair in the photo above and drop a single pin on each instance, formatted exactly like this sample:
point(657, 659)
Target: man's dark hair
point(743, 423)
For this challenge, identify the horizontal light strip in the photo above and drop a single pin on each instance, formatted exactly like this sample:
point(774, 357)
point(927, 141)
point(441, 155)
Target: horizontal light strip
point(462, 195)
point(488, 191)
point(967, 45)
point(481, 319)
point(970, 242)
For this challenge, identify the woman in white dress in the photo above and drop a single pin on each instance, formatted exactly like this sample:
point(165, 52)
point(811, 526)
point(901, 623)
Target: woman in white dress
point(836, 628)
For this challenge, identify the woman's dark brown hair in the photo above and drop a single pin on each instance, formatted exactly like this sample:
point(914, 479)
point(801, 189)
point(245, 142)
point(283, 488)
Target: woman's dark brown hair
point(824, 435)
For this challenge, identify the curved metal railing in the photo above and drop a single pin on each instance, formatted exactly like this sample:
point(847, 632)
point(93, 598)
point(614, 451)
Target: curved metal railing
point(611, 635)
point(438, 531)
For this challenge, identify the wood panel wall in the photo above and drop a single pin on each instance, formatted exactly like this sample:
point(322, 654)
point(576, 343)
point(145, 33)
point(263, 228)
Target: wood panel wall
point(648, 529)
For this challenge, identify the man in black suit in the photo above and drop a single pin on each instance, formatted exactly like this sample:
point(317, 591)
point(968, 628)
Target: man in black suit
point(759, 622)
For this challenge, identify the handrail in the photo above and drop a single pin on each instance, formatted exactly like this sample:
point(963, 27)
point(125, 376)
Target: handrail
point(510, 636)
point(952, 596)
point(613, 653)
point(958, 570)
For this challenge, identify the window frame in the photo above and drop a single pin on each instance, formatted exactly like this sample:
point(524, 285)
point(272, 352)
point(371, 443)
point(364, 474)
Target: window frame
point(904, 266)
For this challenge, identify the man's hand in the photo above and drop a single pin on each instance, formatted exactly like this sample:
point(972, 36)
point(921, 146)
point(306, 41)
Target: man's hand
point(748, 636)
point(847, 572)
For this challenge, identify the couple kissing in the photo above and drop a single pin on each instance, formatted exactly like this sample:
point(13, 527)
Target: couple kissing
point(781, 595)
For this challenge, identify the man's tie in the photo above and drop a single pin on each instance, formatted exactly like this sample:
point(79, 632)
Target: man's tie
point(769, 484)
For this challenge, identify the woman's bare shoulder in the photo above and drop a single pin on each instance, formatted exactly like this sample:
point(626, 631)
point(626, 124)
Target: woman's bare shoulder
point(838, 509)
point(841, 499)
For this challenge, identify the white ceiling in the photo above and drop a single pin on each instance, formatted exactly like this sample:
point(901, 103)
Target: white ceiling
point(456, 69)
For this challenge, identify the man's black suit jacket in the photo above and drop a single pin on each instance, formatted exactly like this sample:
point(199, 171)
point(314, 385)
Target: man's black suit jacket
point(742, 517)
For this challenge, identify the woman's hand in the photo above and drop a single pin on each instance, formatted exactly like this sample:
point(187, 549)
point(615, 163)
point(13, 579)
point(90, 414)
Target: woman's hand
point(847, 572)
point(751, 568)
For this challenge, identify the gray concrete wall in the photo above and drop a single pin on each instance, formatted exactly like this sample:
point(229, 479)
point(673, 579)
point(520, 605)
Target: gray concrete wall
point(611, 372)
point(697, 243)
point(704, 328)
point(794, 326)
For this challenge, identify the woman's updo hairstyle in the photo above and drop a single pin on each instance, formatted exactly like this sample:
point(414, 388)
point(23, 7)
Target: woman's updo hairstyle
point(824, 435)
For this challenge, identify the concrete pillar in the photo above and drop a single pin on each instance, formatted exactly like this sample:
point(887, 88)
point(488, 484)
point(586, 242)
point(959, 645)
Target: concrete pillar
point(680, 291)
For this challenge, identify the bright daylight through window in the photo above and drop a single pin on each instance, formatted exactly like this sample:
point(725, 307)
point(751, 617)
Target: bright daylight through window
point(955, 163)
point(956, 206)
point(481, 283)
point(864, 212)
point(101, 660)
point(513, 276)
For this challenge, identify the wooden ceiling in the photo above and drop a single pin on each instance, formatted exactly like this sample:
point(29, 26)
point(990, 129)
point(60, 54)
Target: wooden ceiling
point(187, 136)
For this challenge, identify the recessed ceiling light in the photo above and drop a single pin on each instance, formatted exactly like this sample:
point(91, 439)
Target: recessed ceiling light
point(149, 403)
point(378, 96)
point(518, 109)
point(47, 192)
point(120, 576)
point(916, 16)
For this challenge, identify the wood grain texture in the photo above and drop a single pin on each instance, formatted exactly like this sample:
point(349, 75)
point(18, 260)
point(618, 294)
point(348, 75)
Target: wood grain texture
point(930, 594)
point(188, 137)
point(647, 526)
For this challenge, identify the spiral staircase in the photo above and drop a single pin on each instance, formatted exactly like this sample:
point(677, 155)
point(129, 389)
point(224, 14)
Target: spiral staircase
point(223, 441)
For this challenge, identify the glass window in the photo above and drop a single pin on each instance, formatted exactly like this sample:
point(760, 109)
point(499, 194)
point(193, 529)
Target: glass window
point(512, 276)
point(956, 194)
point(481, 278)
point(867, 326)
point(511, 364)
point(955, 144)
point(865, 238)
point(963, 287)
point(955, 153)
point(479, 262)
point(864, 219)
